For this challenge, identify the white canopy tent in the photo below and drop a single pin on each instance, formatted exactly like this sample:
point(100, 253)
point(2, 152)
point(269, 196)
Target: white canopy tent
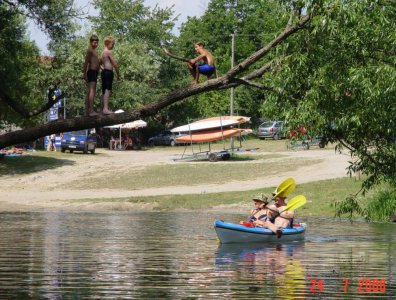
point(129, 125)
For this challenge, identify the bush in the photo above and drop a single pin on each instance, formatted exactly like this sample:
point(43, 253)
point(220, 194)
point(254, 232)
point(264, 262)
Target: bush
point(382, 206)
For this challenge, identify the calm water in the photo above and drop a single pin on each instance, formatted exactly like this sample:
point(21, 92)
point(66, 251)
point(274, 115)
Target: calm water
point(176, 256)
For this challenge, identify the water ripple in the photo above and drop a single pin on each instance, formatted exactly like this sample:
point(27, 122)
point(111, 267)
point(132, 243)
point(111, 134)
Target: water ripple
point(155, 255)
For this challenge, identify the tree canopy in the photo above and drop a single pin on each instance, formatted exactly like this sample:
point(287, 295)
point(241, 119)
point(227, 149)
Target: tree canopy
point(340, 83)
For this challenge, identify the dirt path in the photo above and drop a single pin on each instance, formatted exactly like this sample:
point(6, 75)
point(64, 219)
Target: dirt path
point(41, 190)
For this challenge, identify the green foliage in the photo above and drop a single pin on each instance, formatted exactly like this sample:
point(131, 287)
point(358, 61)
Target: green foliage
point(139, 32)
point(55, 17)
point(338, 80)
point(349, 206)
point(255, 23)
point(382, 207)
point(131, 21)
point(17, 64)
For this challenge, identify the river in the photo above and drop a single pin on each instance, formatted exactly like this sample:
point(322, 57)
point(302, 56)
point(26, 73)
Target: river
point(175, 255)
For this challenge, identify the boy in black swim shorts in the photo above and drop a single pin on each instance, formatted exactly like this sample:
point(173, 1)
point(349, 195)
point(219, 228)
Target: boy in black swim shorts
point(90, 74)
point(109, 64)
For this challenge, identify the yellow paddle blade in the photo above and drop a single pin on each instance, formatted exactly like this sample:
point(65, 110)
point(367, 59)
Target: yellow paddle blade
point(285, 183)
point(296, 202)
point(285, 188)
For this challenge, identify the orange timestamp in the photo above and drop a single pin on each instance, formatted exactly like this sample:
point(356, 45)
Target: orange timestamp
point(364, 285)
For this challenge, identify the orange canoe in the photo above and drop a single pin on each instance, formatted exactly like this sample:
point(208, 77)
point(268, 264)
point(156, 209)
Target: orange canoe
point(208, 135)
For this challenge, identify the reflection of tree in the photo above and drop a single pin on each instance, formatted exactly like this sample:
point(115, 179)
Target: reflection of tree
point(274, 268)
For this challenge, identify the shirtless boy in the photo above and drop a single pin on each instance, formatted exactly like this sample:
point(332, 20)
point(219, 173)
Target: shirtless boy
point(109, 64)
point(207, 67)
point(90, 74)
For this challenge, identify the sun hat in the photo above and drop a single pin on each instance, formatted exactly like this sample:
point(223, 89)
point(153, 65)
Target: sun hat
point(261, 198)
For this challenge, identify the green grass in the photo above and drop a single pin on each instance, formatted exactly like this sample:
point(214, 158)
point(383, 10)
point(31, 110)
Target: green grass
point(382, 206)
point(186, 174)
point(320, 196)
point(267, 145)
point(27, 164)
point(39, 161)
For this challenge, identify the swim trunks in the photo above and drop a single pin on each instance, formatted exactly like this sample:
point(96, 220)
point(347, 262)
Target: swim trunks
point(107, 80)
point(92, 75)
point(206, 69)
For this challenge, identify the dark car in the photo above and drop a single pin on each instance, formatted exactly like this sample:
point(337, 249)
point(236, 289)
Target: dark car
point(82, 140)
point(271, 129)
point(166, 137)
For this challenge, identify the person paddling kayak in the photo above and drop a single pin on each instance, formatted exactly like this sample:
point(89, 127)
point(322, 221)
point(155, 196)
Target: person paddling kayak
point(279, 219)
point(259, 212)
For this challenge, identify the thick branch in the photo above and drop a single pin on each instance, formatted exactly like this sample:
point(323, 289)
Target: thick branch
point(289, 30)
point(20, 109)
point(170, 54)
point(227, 80)
point(33, 133)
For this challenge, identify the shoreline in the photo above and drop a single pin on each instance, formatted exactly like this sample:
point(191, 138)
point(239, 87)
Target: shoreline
point(51, 188)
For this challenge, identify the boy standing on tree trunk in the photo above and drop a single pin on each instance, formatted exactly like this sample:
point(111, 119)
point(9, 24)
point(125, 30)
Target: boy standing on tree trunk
point(90, 74)
point(109, 64)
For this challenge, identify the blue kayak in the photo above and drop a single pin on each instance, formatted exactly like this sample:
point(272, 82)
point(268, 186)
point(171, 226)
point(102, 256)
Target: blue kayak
point(236, 233)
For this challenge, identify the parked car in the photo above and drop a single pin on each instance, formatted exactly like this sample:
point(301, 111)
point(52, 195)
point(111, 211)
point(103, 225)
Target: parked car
point(82, 140)
point(166, 137)
point(271, 129)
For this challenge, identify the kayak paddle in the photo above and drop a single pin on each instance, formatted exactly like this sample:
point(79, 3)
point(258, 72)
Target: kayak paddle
point(296, 202)
point(285, 188)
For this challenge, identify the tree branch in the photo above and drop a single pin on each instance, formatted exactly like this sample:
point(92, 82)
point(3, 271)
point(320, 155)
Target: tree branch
point(289, 30)
point(227, 80)
point(20, 109)
point(254, 84)
point(352, 149)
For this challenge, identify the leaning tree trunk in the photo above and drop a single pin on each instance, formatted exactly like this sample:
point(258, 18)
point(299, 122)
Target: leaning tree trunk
point(228, 80)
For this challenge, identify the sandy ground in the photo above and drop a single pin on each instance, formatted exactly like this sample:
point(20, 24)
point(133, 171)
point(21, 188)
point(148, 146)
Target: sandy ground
point(45, 190)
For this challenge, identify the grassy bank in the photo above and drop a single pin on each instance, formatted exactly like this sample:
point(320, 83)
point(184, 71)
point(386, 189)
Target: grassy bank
point(190, 173)
point(320, 197)
point(27, 164)
point(112, 171)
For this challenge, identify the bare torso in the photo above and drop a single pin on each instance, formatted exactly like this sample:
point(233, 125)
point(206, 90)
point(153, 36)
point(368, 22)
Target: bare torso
point(93, 62)
point(285, 220)
point(107, 57)
point(208, 58)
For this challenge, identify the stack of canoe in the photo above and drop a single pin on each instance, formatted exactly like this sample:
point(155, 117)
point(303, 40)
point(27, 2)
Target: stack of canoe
point(211, 129)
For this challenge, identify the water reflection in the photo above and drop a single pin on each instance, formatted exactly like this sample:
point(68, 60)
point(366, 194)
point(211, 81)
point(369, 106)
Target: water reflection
point(174, 255)
point(274, 269)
